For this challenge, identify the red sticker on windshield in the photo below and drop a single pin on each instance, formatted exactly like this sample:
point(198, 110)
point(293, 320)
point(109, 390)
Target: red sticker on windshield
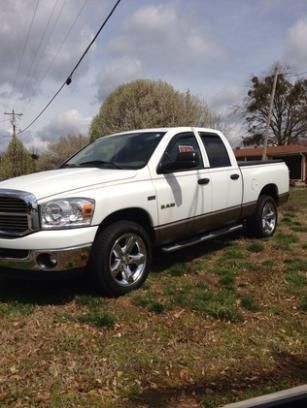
point(185, 149)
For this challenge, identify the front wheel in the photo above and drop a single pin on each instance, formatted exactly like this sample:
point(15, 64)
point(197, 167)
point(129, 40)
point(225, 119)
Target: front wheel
point(263, 222)
point(120, 258)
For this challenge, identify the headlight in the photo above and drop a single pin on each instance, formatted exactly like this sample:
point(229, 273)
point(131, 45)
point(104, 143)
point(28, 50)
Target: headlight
point(67, 213)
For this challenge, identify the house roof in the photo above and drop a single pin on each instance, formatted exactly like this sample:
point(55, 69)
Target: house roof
point(271, 150)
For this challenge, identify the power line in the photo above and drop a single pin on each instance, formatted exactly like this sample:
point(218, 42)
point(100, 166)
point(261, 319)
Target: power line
point(69, 78)
point(56, 20)
point(65, 38)
point(54, 27)
point(43, 110)
point(32, 66)
point(50, 35)
point(53, 59)
point(23, 51)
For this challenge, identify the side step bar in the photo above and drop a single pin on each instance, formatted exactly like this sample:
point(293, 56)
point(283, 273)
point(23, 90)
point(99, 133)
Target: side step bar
point(201, 238)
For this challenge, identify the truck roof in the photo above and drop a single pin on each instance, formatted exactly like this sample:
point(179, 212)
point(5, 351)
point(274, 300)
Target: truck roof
point(167, 129)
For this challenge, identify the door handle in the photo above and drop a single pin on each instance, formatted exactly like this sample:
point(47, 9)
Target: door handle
point(203, 181)
point(234, 176)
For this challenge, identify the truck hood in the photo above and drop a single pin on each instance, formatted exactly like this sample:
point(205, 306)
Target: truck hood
point(48, 183)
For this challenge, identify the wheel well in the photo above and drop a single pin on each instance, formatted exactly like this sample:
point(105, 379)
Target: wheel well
point(130, 214)
point(270, 190)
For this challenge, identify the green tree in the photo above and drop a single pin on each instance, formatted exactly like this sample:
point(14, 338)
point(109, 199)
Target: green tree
point(148, 104)
point(16, 160)
point(56, 153)
point(289, 116)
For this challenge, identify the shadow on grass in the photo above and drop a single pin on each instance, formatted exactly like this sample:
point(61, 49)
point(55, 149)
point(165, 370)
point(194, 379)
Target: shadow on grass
point(163, 260)
point(42, 292)
point(62, 291)
point(289, 369)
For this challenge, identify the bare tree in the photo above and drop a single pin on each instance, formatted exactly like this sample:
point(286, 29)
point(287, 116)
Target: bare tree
point(289, 115)
point(61, 150)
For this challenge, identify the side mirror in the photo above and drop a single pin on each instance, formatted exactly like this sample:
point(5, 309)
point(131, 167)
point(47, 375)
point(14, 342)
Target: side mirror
point(184, 161)
point(188, 159)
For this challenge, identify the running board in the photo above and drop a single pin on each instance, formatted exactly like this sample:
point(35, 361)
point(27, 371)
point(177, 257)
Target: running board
point(184, 244)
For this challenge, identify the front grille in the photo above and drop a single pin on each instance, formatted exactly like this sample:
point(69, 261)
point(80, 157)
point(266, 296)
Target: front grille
point(14, 222)
point(12, 205)
point(18, 213)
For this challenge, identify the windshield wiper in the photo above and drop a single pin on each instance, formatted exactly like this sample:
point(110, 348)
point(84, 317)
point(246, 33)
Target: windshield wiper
point(63, 166)
point(99, 163)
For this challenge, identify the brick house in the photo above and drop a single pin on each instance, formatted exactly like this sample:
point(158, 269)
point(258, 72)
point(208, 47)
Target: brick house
point(294, 155)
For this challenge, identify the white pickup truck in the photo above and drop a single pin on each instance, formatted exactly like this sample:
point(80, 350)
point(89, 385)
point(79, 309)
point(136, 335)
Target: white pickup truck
point(107, 207)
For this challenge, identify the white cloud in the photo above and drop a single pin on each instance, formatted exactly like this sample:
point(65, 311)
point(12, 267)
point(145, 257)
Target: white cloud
point(46, 56)
point(119, 71)
point(5, 137)
point(296, 50)
point(206, 48)
point(32, 142)
point(69, 122)
point(152, 19)
point(198, 45)
point(224, 99)
point(160, 36)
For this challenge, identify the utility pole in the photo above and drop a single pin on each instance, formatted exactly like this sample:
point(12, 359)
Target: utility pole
point(266, 133)
point(14, 116)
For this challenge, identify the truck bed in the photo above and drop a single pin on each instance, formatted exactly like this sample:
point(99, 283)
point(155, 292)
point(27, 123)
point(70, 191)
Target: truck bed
point(257, 162)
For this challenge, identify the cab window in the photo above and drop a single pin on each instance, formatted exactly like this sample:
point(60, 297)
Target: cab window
point(216, 150)
point(182, 143)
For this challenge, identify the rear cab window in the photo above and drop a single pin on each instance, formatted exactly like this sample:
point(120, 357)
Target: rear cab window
point(215, 149)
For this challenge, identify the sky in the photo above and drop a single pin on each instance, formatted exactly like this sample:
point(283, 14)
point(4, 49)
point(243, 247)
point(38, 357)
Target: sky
point(212, 47)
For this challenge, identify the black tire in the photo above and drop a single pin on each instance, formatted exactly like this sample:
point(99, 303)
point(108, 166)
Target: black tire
point(264, 221)
point(113, 260)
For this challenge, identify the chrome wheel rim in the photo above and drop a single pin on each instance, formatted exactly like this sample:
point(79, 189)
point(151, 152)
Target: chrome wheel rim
point(268, 218)
point(128, 259)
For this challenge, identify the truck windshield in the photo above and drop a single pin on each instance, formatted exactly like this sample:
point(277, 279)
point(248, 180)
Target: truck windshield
point(124, 151)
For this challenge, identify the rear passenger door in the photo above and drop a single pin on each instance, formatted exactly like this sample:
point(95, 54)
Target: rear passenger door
point(225, 180)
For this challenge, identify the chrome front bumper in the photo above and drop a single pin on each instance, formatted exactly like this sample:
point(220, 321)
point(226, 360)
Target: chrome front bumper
point(64, 259)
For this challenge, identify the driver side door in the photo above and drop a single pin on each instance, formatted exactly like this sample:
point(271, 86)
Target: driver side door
point(180, 196)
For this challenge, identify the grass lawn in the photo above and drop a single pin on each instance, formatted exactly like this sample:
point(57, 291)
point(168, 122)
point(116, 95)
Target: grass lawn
point(216, 323)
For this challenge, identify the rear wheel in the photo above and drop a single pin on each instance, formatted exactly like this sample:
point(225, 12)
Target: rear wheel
point(263, 222)
point(120, 258)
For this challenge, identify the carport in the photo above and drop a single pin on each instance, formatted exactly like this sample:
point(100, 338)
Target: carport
point(294, 155)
